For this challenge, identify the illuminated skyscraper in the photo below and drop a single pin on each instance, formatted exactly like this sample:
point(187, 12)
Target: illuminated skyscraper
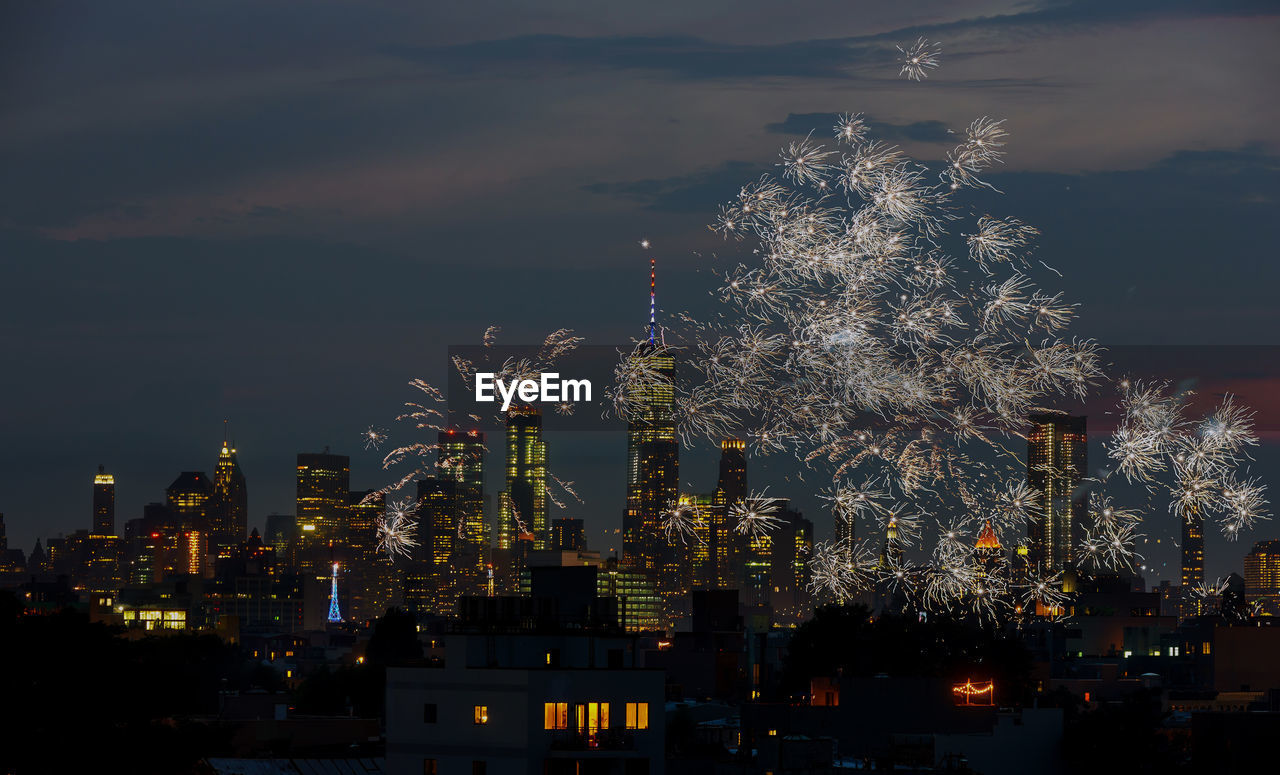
point(1192, 562)
point(461, 460)
point(653, 458)
point(729, 548)
point(429, 579)
point(188, 500)
point(323, 486)
point(364, 509)
point(230, 507)
point(522, 513)
point(373, 580)
point(1262, 576)
point(104, 503)
point(1057, 462)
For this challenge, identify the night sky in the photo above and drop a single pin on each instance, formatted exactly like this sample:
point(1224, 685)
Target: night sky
point(281, 212)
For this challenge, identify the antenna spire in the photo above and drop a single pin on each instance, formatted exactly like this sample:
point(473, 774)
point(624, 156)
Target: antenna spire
point(653, 300)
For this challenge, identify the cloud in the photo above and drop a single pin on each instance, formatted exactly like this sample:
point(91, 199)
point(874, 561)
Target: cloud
point(699, 191)
point(1054, 15)
point(916, 131)
point(687, 57)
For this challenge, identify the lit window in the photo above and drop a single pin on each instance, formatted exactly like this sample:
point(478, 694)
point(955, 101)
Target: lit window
point(1205, 648)
point(555, 715)
point(773, 733)
point(482, 716)
point(591, 717)
point(637, 715)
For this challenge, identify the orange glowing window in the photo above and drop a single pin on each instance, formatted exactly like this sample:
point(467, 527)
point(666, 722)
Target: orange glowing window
point(555, 715)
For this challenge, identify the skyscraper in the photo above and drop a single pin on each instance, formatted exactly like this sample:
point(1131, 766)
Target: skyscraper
point(323, 486)
point(1057, 462)
point(461, 460)
point(188, 500)
point(728, 547)
point(522, 514)
point(430, 586)
point(792, 548)
point(1192, 556)
point(230, 507)
point(104, 503)
point(653, 462)
point(1192, 604)
point(568, 535)
point(1262, 576)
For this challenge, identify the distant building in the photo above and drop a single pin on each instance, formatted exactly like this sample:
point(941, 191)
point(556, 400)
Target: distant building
point(187, 499)
point(792, 547)
point(461, 460)
point(639, 608)
point(1262, 577)
point(1192, 562)
point(429, 581)
point(323, 485)
point(568, 535)
point(281, 531)
point(522, 512)
point(230, 508)
point(653, 475)
point(1057, 463)
point(104, 503)
point(726, 545)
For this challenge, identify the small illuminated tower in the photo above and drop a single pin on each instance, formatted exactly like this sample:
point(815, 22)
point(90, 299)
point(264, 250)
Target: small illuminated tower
point(988, 550)
point(335, 616)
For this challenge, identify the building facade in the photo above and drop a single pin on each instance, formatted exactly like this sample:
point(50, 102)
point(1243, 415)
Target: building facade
point(1057, 463)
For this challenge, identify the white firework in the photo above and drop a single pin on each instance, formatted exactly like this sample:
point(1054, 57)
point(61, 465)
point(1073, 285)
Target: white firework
point(397, 528)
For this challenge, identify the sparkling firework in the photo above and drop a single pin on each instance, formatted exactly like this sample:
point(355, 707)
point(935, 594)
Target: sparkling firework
point(858, 339)
point(919, 58)
point(397, 528)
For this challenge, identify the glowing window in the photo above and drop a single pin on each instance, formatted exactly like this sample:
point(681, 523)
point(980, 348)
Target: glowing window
point(1206, 648)
point(482, 714)
point(591, 717)
point(637, 715)
point(555, 715)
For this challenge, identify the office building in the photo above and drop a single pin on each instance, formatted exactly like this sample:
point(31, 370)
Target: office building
point(1057, 463)
point(1192, 562)
point(522, 512)
point(230, 506)
point(187, 499)
point(653, 456)
point(461, 460)
point(322, 489)
point(568, 535)
point(104, 503)
point(1262, 576)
